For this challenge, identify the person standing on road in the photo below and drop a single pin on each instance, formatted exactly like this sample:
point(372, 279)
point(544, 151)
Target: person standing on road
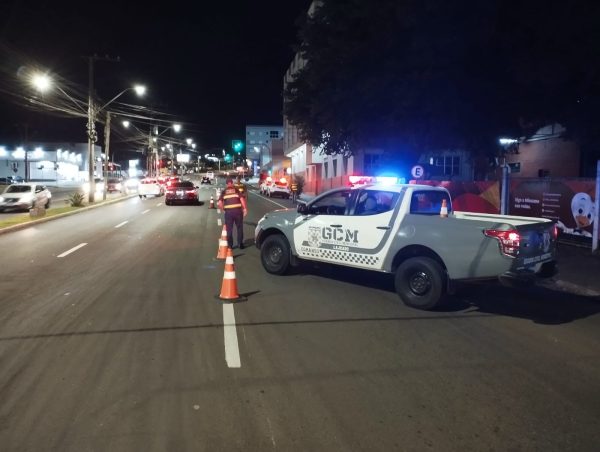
point(234, 206)
point(294, 190)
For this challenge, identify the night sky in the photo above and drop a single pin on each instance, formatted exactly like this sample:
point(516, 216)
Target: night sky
point(215, 66)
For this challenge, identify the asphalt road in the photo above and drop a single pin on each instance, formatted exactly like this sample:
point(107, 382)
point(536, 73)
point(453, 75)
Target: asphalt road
point(111, 339)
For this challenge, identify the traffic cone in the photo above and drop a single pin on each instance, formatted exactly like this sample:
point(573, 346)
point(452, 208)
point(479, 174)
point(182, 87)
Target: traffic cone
point(212, 203)
point(229, 290)
point(444, 209)
point(222, 254)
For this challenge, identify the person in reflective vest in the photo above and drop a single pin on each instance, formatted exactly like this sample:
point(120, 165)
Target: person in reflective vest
point(233, 205)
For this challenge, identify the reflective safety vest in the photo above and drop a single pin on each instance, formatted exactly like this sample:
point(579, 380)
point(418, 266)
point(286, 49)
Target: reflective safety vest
point(294, 187)
point(240, 188)
point(231, 199)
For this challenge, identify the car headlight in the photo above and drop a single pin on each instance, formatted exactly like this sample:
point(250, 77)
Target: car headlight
point(1, 199)
point(118, 187)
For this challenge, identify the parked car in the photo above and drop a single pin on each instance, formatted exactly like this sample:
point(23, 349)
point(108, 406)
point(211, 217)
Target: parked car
point(25, 196)
point(131, 185)
point(8, 180)
point(279, 188)
point(182, 192)
point(411, 232)
point(150, 187)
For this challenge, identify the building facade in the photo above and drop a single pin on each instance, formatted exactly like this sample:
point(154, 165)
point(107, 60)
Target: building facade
point(60, 162)
point(259, 144)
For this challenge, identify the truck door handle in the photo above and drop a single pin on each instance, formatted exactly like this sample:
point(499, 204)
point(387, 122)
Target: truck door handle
point(335, 225)
point(385, 228)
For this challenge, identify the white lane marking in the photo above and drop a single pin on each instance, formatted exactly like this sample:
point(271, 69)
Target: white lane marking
point(122, 224)
point(232, 351)
point(159, 204)
point(145, 211)
point(75, 248)
point(218, 211)
point(270, 200)
point(219, 222)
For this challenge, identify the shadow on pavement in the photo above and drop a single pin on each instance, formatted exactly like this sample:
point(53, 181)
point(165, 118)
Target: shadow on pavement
point(538, 304)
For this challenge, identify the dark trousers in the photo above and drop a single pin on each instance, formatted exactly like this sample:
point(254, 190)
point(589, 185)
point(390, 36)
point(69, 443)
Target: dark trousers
point(234, 216)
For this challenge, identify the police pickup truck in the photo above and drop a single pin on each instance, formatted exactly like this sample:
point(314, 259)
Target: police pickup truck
point(398, 229)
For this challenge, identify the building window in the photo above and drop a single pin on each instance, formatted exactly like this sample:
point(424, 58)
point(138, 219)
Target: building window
point(253, 133)
point(450, 165)
point(274, 134)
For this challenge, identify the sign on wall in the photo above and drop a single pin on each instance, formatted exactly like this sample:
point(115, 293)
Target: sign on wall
point(568, 202)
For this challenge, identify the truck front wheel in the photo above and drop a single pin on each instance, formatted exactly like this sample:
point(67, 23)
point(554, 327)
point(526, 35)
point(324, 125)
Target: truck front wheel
point(275, 254)
point(420, 282)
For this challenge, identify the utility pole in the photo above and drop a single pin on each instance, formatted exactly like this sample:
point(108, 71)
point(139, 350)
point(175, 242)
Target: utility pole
point(91, 124)
point(91, 130)
point(106, 153)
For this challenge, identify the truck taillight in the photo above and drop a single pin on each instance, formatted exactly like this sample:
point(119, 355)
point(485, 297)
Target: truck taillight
point(509, 240)
point(555, 232)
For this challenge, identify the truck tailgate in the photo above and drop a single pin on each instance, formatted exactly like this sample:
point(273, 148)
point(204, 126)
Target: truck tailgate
point(537, 244)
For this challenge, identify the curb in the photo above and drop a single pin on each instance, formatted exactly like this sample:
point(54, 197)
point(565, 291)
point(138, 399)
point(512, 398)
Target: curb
point(18, 227)
point(566, 286)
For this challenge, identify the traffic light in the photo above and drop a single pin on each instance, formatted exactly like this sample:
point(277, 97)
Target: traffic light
point(227, 158)
point(237, 145)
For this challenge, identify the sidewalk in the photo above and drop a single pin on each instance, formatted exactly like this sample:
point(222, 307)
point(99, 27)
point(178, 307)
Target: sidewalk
point(578, 270)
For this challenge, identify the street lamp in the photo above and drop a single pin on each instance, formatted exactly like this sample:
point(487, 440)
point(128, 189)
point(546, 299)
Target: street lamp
point(43, 83)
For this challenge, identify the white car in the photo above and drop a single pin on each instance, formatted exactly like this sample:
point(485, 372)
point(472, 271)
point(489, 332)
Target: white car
point(210, 175)
point(279, 189)
point(150, 187)
point(99, 185)
point(25, 196)
point(264, 186)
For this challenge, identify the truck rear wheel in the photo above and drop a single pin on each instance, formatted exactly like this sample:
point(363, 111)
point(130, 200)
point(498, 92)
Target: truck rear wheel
point(275, 254)
point(420, 282)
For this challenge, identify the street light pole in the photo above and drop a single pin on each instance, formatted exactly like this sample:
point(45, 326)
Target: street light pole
point(91, 130)
point(106, 151)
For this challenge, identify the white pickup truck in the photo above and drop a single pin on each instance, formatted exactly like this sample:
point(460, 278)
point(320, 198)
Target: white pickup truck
point(398, 229)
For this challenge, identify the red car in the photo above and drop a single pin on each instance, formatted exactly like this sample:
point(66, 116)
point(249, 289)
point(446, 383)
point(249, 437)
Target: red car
point(181, 192)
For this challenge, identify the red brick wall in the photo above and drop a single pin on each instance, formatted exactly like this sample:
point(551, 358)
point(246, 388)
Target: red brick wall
point(560, 157)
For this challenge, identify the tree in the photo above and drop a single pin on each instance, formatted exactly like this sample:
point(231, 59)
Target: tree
point(411, 75)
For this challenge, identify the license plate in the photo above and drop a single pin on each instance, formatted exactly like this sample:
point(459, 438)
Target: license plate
point(179, 193)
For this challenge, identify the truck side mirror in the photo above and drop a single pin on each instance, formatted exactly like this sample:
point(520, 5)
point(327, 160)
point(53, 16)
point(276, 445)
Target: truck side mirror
point(302, 208)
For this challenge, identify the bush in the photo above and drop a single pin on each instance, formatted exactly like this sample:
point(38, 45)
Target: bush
point(76, 199)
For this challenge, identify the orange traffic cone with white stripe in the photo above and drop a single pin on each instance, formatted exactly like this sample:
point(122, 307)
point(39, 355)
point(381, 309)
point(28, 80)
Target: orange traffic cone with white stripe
point(212, 203)
point(444, 209)
point(222, 254)
point(229, 290)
